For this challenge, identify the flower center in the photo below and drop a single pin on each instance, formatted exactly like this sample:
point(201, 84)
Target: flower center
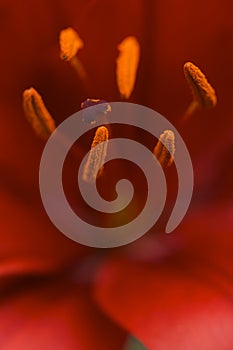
point(43, 124)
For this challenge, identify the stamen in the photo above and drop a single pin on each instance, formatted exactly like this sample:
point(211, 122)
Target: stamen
point(203, 93)
point(79, 69)
point(165, 148)
point(70, 43)
point(96, 156)
point(126, 65)
point(37, 114)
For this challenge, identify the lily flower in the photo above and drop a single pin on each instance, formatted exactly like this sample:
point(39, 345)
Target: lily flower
point(167, 291)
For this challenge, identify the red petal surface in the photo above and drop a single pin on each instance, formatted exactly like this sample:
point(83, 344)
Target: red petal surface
point(55, 315)
point(184, 301)
point(27, 236)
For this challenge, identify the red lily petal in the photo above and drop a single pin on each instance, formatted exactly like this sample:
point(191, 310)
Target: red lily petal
point(27, 235)
point(56, 316)
point(183, 302)
point(30, 240)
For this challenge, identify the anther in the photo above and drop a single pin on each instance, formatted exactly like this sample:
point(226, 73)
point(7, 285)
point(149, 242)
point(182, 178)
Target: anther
point(70, 44)
point(126, 65)
point(164, 150)
point(96, 158)
point(37, 114)
point(204, 96)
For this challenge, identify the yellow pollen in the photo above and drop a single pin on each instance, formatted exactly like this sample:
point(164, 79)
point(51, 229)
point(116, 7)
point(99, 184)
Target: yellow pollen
point(203, 93)
point(164, 150)
point(96, 156)
point(37, 114)
point(126, 65)
point(70, 43)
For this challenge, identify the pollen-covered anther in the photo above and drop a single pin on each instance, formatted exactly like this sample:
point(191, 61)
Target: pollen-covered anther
point(127, 65)
point(37, 114)
point(164, 150)
point(203, 93)
point(96, 157)
point(70, 43)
